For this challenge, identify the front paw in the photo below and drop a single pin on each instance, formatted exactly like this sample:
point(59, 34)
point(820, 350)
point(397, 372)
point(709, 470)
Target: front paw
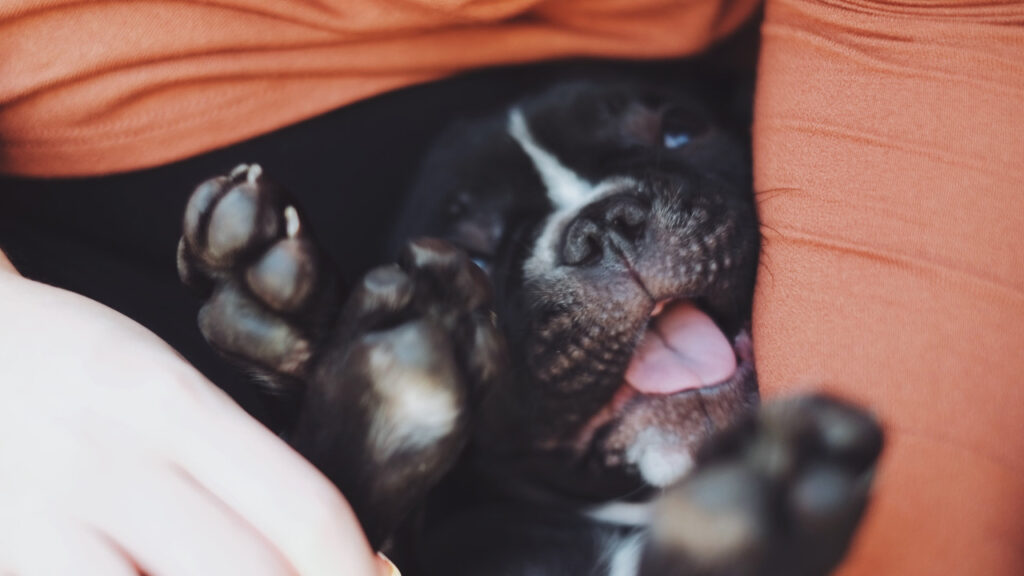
point(270, 294)
point(386, 412)
point(779, 494)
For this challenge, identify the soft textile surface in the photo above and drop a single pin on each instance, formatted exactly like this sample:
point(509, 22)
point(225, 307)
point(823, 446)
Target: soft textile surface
point(889, 161)
point(97, 87)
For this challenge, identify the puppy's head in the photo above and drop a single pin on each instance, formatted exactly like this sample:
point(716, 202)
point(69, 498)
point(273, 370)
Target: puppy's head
point(617, 224)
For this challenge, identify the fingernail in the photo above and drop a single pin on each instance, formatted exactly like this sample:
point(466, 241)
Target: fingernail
point(389, 569)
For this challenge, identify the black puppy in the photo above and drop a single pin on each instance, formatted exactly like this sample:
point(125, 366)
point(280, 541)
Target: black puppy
point(528, 390)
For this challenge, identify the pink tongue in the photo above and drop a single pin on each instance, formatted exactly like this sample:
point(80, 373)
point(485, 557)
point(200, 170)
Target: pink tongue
point(681, 350)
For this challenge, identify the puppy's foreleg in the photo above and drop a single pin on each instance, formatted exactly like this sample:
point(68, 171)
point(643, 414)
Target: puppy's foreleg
point(387, 407)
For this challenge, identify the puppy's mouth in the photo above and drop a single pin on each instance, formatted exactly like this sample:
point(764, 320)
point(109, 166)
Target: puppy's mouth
point(682, 348)
point(684, 363)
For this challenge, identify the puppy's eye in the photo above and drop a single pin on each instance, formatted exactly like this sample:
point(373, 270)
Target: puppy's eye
point(680, 126)
point(674, 140)
point(483, 264)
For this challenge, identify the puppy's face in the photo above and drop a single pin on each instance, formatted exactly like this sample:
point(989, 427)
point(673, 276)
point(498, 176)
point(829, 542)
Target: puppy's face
point(618, 227)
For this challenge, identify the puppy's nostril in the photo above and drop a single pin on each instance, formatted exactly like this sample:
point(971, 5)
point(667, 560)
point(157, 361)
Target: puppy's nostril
point(621, 219)
point(582, 242)
point(627, 218)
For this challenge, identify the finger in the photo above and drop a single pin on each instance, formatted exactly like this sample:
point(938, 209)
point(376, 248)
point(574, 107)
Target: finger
point(107, 474)
point(386, 567)
point(264, 481)
point(153, 511)
point(36, 544)
point(179, 414)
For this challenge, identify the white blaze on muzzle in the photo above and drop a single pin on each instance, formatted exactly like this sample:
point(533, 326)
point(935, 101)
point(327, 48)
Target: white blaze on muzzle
point(568, 192)
point(565, 188)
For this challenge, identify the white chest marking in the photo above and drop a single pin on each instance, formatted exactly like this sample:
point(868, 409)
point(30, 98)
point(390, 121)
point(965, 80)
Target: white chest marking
point(625, 560)
point(621, 513)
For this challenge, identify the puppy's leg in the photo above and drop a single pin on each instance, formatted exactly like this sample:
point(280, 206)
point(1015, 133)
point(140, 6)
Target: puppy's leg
point(270, 295)
point(386, 412)
point(779, 494)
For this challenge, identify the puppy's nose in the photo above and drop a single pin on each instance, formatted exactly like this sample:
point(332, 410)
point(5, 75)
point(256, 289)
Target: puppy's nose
point(620, 219)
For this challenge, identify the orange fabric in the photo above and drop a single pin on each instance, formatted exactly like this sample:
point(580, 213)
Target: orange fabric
point(889, 168)
point(96, 87)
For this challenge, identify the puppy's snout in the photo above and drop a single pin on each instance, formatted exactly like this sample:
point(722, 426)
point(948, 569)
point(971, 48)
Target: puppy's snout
point(620, 220)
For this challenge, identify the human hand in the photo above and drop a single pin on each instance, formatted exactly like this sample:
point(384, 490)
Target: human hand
point(118, 457)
